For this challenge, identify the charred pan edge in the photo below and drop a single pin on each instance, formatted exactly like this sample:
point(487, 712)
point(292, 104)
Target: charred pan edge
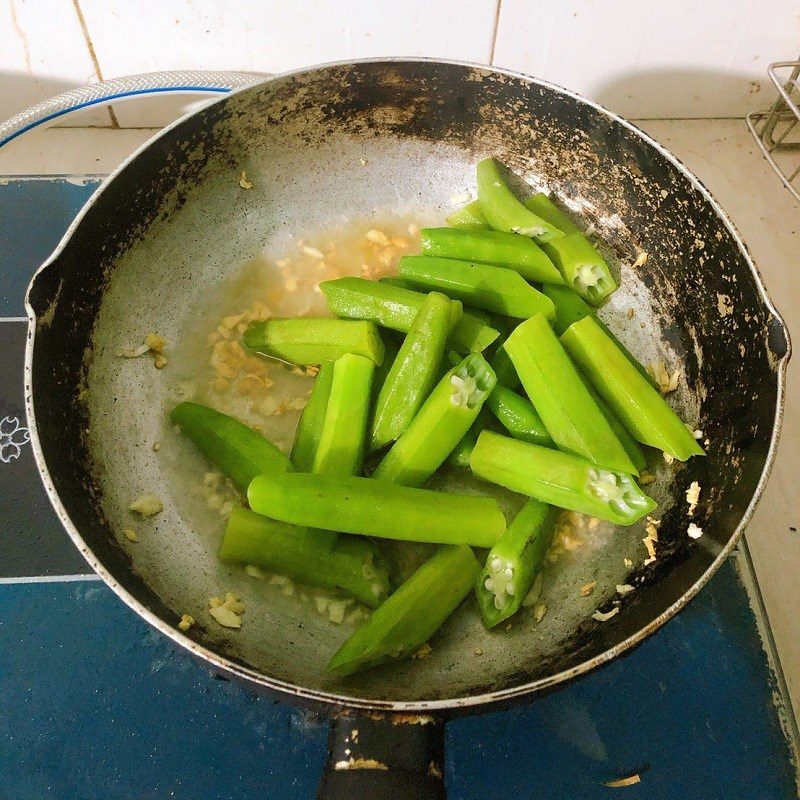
point(459, 704)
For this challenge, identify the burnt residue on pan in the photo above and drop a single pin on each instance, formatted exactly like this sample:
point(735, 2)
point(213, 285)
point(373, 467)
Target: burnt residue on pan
point(703, 297)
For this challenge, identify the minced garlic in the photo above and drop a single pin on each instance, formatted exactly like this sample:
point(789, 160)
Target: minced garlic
point(588, 588)
point(227, 612)
point(604, 616)
point(147, 505)
point(131, 535)
point(539, 612)
point(693, 496)
point(187, 620)
point(694, 531)
point(641, 260)
point(624, 588)
point(243, 180)
point(666, 381)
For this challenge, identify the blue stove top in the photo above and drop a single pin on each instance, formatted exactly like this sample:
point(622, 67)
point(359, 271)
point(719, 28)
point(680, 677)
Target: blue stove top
point(93, 703)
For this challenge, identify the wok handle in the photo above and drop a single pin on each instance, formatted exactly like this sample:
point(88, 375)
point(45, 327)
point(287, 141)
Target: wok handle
point(384, 757)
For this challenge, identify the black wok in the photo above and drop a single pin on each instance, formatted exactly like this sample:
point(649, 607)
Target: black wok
point(345, 141)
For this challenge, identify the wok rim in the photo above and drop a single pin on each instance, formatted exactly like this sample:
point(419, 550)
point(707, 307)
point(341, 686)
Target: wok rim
point(302, 695)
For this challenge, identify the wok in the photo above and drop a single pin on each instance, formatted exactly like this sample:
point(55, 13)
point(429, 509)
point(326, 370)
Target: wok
point(345, 141)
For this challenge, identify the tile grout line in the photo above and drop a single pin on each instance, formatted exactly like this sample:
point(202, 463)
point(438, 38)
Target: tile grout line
point(495, 26)
point(93, 55)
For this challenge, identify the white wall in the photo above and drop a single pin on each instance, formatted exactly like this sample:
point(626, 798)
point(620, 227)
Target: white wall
point(642, 58)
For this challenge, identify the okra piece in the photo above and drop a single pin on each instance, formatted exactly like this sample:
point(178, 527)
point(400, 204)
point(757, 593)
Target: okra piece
point(577, 259)
point(310, 340)
point(414, 371)
point(344, 429)
point(391, 347)
point(504, 211)
point(518, 416)
point(514, 562)
point(353, 565)
point(411, 614)
point(371, 507)
point(235, 449)
point(468, 216)
point(309, 428)
point(480, 285)
point(640, 407)
point(570, 307)
point(441, 423)
point(487, 246)
point(543, 206)
point(561, 479)
point(632, 448)
point(503, 368)
point(392, 306)
point(463, 450)
point(561, 398)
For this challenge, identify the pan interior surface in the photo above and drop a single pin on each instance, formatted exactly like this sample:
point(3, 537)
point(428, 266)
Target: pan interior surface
point(331, 154)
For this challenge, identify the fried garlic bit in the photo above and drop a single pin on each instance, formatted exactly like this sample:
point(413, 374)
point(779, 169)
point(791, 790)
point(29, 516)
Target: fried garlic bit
point(235, 370)
point(381, 253)
point(693, 496)
point(147, 505)
point(651, 539)
point(227, 612)
point(588, 588)
point(641, 260)
point(187, 620)
point(243, 181)
point(153, 345)
point(604, 616)
point(666, 381)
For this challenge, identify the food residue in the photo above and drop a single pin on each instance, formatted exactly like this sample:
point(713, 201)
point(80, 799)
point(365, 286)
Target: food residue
point(423, 651)
point(628, 563)
point(153, 345)
point(243, 180)
point(624, 588)
point(646, 478)
point(724, 305)
point(147, 505)
point(665, 380)
point(604, 616)
point(668, 458)
point(131, 535)
point(227, 612)
point(588, 588)
point(629, 780)
point(187, 620)
point(539, 612)
point(694, 531)
point(693, 496)
point(641, 260)
point(478, 651)
point(461, 199)
point(650, 540)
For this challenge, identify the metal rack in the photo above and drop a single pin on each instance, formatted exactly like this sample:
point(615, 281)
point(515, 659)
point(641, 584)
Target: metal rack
point(776, 131)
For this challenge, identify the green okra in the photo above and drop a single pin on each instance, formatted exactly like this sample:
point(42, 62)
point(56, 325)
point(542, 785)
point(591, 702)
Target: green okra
point(392, 306)
point(561, 479)
point(504, 211)
point(577, 259)
point(463, 450)
point(518, 416)
point(372, 507)
point(441, 423)
point(342, 441)
point(414, 371)
point(412, 614)
point(640, 407)
point(496, 289)
point(468, 216)
point(561, 398)
point(514, 562)
point(312, 340)
point(309, 427)
point(237, 450)
point(519, 253)
point(632, 448)
point(543, 206)
point(503, 368)
point(352, 564)
point(570, 307)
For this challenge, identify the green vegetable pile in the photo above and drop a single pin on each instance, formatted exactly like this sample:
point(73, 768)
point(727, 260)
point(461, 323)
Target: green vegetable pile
point(573, 404)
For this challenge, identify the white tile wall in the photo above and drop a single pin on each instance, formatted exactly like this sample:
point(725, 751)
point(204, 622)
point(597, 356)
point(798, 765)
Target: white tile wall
point(277, 35)
point(646, 59)
point(43, 51)
point(642, 58)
